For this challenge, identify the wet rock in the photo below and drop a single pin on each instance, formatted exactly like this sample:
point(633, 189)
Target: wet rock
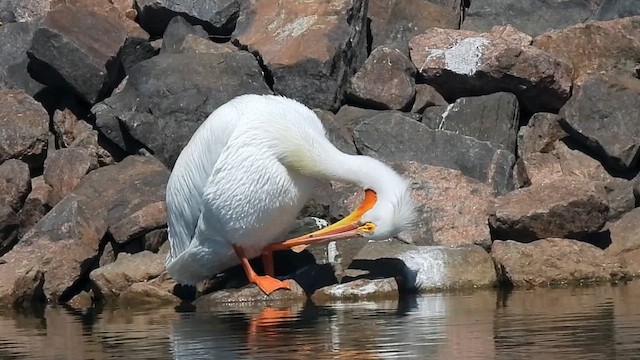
point(595, 47)
point(8, 228)
point(27, 138)
point(395, 22)
point(86, 39)
point(625, 242)
point(565, 207)
point(150, 217)
point(110, 281)
point(251, 294)
point(77, 133)
point(66, 241)
point(536, 168)
point(35, 206)
point(385, 81)
point(424, 268)
point(15, 183)
point(122, 16)
point(64, 169)
point(280, 34)
point(25, 10)
point(532, 17)
point(493, 118)
point(602, 115)
point(216, 17)
point(613, 9)
point(465, 63)
point(552, 262)
point(358, 290)
point(176, 32)
point(540, 134)
point(178, 101)
point(16, 39)
point(426, 96)
point(146, 294)
point(393, 137)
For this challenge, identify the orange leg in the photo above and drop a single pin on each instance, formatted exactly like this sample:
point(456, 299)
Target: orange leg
point(266, 283)
point(267, 262)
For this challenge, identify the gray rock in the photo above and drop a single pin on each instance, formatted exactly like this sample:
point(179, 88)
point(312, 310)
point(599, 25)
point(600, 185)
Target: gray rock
point(493, 118)
point(148, 218)
point(16, 39)
point(78, 49)
point(8, 228)
point(251, 294)
point(565, 207)
point(532, 17)
point(110, 281)
point(337, 133)
point(614, 9)
point(393, 137)
point(215, 16)
point(161, 105)
point(358, 290)
point(15, 183)
point(625, 241)
point(177, 30)
point(636, 187)
point(553, 262)
point(24, 10)
point(620, 197)
point(602, 115)
point(426, 96)
point(385, 81)
point(154, 239)
point(425, 268)
point(539, 135)
point(143, 294)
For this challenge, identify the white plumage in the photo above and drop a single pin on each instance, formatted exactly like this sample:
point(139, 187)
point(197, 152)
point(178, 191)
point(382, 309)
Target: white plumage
point(246, 173)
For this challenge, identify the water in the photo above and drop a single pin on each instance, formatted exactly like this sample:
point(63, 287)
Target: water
point(577, 323)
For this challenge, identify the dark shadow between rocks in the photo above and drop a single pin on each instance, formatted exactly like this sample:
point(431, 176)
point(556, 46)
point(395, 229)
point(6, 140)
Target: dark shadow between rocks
point(600, 239)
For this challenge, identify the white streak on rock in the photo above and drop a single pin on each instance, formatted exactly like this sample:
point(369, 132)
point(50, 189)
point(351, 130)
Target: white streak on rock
point(463, 57)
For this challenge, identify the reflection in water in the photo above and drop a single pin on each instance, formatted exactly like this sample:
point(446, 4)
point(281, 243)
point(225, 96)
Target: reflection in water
point(583, 323)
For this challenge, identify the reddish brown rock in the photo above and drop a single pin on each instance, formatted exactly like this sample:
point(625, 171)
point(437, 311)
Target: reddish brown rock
point(197, 45)
point(385, 81)
point(74, 132)
point(575, 163)
point(542, 131)
point(552, 262)
point(8, 228)
point(154, 239)
point(426, 96)
point(536, 168)
point(35, 206)
point(281, 32)
point(595, 47)
point(146, 294)
point(110, 281)
point(25, 128)
point(26, 290)
point(150, 217)
point(358, 290)
point(64, 169)
point(465, 63)
point(625, 242)
point(15, 183)
point(565, 207)
point(120, 11)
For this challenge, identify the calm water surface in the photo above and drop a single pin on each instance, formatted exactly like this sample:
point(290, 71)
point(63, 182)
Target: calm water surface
point(583, 323)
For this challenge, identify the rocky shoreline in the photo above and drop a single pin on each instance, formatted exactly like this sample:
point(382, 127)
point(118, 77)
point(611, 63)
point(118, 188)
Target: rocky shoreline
point(521, 137)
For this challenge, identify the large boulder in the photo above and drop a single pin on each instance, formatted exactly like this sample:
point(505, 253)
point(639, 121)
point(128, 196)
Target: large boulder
point(310, 48)
point(603, 115)
point(167, 97)
point(394, 137)
point(466, 63)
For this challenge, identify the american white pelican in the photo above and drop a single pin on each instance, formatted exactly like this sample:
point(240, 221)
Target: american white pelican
point(240, 182)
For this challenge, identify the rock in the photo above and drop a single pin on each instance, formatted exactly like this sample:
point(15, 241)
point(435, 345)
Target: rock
point(25, 139)
point(16, 39)
point(395, 22)
point(351, 116)
point(108, 255)
point(620, 197)
point(25, 10)
point(66, 241)
point(565, 207)
point(88, 40)
point(26, 290)
point(636, 187)
point(462, 63)
point(575, 163)
point(15, 183)
point(532, 17)
point(216, 17)
point(493, 118)
point(8, 228)
point(338, 134)
point(393, 137)
point(110, 281)
point(145, 294)
point(552, 262)
point(536, 168)
point(602, 115)
point(358, 290)
point(77, 133)
point(154, 239)
point(613, 9)
point(251, 294)
point(385, 81)
point(426, 96)
point(148, 218)
point(625, 241)
point(425, 268)
point(193, 44)
point(279, 33)
point(64, 169)
point(541, 132)
point(110, 9)
point(83, 300)
point(35, 206)
point(161, 105)
point(595, 47)
point(176, 32)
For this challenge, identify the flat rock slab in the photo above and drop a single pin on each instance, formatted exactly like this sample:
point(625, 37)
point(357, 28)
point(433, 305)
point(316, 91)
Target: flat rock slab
point(393, 137)
point(602, 115)
point(358, 290)
point(565, 207)
point(424, 268)
point(552, 262)
point(251, 294)
point(465, 63)
point(311, 48)
point(110, 281)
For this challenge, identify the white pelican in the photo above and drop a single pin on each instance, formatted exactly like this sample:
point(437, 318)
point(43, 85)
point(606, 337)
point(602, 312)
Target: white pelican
point(239, 183)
